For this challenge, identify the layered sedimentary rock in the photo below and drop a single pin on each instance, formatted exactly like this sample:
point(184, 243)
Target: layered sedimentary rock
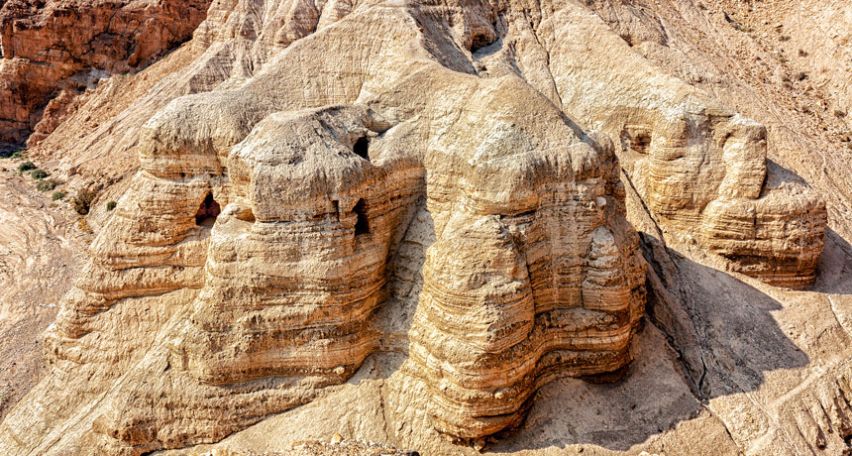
point(534, 273)
point(298, 261)
point(323, 197)
point(704, 176)
point(53, 49)
point(700, 168)
point(313, 203)
point(242, 271)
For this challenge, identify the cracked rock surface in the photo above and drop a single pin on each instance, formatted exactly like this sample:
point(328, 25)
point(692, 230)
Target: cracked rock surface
point(450, 227)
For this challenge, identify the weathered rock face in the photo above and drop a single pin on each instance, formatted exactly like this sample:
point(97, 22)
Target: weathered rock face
point(700, 168)
point(53, 49)
point(716, 190)
point(273, 218)
point(535, 273)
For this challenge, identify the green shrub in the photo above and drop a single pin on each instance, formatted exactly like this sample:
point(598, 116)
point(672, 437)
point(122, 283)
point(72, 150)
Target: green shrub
point(83, 201)
point(26, 166)
point(58, 196)
point(39, 174)
point(46, 185)
point(111, 205)
point(10, 153)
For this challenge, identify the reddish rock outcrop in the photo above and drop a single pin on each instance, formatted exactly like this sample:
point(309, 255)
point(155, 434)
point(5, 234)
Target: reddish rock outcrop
point(418, 218)
point(62, 46)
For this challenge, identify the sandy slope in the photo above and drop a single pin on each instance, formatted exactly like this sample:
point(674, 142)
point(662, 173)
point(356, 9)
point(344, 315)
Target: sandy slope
point(40, 251)
point(724, 365)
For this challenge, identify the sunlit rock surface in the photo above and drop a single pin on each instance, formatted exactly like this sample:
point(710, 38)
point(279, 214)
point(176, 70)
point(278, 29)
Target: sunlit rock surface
point(425, 216)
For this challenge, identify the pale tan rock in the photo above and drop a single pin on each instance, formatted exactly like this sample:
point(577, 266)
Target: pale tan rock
point(323, 185)
point(31, 281)
point(296, 262)
point(699, 167)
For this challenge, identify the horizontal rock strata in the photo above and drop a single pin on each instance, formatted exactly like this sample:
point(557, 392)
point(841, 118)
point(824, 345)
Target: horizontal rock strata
point(241, 273)
point(299, 212)
point(59, 47)
point(700, 167)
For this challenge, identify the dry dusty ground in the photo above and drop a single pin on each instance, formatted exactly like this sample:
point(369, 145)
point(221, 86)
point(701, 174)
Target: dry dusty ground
point(724, 364)
point(39, 256)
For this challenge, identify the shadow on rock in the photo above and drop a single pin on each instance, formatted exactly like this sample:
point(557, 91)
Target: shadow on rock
point(834, 271)
point(707, 334)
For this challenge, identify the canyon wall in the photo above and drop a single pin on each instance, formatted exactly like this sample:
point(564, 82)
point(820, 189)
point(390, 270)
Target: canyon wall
point(53, 50)
point(320, 184)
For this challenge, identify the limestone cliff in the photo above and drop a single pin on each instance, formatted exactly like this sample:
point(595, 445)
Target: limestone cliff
point(450, 194)
point(54, 49)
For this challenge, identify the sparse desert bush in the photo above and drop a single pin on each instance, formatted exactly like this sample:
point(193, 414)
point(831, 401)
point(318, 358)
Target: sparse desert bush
point(111, 205)
point(10, 153)
point(26, 166)
point(56, 196)
point(83, 201)
point(46, 185)
point(39, 174)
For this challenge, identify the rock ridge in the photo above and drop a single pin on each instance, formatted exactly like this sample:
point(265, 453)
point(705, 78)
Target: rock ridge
point(245, 268)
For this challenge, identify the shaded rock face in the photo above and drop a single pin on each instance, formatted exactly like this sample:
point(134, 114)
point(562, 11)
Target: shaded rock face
point(700, 168)
point(242, 271)
point(51, 49)
point(718, 192)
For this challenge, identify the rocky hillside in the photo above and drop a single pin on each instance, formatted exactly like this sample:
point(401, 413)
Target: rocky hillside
point(54, 49)
point(358, 227)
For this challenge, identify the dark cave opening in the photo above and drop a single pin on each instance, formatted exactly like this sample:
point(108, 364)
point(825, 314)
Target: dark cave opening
point(641, 142)
point(481, 40)
point(362, 148)
point(636, 140)
point(362, 224)
point(208, 211)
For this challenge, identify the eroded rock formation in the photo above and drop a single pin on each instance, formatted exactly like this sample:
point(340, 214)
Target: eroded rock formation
point(533, 248)
point(700, 168)
point(243, 270)
point(52, 50)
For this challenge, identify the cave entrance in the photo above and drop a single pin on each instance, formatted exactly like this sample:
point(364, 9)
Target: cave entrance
point(208, 211)
point(641, 142)
point(362, 148)
point(636, 139)
point(362, 224)
point(481, 40)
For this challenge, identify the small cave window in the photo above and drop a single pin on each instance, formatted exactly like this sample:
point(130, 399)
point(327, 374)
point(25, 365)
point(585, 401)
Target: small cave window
point(208, 211)
point(641, 142)
point(479, 41)
point(637, 140)
point(362, 148)
point(362, 224)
